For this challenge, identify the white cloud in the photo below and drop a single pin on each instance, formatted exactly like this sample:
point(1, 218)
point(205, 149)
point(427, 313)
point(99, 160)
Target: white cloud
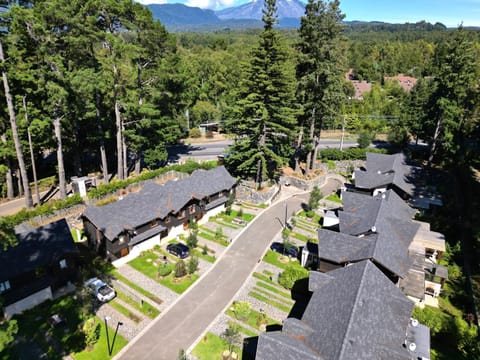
point(211, 4)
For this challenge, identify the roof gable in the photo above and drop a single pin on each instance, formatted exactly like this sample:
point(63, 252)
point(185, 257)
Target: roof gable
point(36, 248)
point(360, 314)
point(156, 201)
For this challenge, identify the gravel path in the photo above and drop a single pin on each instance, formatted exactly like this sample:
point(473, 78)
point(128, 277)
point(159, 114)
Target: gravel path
point(164, 293)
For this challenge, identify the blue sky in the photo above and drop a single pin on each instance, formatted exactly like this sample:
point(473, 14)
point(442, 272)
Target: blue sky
point(449, 12)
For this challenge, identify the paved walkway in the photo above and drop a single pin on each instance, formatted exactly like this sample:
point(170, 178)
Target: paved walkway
point(188, 318)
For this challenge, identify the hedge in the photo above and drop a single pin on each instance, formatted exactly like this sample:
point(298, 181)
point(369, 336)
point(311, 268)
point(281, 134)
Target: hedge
point(348, 154)
point(189, 167)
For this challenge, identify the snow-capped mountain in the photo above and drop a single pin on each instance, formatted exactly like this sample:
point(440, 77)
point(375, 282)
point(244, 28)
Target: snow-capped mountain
point(253, 10)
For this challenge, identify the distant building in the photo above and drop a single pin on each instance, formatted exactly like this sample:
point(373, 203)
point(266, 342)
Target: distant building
point(42, 263)
point(141, 220)
point(361, 87)
point(406, 82)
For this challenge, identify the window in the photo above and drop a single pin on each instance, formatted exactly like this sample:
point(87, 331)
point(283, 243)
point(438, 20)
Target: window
point(121, 239)
point(154, 223)
point(63, 264)
point(4, 286)
point(191, 209)
point(167, 220)
point(182, 214)
point(221, 194)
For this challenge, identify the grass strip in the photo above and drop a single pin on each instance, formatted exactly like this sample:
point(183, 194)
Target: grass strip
point(268, 301)
point(231, 226)
point(139, 289)
point(274, 289)
point(273, 297)
point(206, 236)
point(255, 319)
point(301, 237)
point(211, 347)
point(335, 198)
point(145, 308)
point(264, 278)
point(198, 253)
point(242, 329)
point(122, 309)
point(273, 257)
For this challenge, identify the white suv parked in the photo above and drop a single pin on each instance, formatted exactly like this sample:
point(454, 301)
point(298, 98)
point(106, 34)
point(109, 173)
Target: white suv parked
point(100, 290)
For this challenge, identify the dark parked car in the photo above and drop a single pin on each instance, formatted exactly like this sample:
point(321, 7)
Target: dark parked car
point(291, 251)
point(178, 249)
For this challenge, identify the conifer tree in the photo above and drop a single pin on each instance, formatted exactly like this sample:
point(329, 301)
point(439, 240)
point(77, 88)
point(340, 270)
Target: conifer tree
point(264, 118)
point(320, 71)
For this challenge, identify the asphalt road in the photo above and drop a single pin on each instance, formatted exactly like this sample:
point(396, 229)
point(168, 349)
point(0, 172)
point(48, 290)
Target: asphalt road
point(210, 151)
point(186, 320)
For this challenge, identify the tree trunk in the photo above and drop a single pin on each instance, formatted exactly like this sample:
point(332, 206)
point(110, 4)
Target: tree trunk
point(103, 153)
point(77, 159)
point(138, 166)
point(61, 167)
point(436, 135)
point(312, 132)
point(19, 183)
point(34, 168)
point(16, 139)
point(118, 120)
point(261, 144)
point(9, 180)
point(315, 151)
point(298, 149)
point(124, 155)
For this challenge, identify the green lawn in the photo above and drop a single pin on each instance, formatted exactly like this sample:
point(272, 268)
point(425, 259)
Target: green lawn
point(100, 350)
point(198, 252)
point(211, 348)
point(302, 237)
point(145, 308)
point(139, 289)
point(268, 299)
point(274, 289)
point(122, 309)
point(273, 257)
point(254, 320)
point(334, 197)
point(178, 285)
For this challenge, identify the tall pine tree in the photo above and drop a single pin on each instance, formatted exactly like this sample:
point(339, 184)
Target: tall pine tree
point(264, 119)
point(320, 71)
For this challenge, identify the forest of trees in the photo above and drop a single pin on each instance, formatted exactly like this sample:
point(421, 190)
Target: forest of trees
point(104, 88)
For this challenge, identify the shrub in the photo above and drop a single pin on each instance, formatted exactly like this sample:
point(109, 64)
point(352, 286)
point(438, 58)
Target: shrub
point(192, 240)
point(91, 330)
point(204, 250)
point(241, 310)
point(291, 274)
point(315, 197)
point(192, 264)
point(219, 233)
point(364, 139)
point(180, 269)
point(164, 269)
point(195, 133)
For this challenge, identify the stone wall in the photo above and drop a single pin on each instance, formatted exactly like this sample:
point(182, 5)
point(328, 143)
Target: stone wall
point(248, 193)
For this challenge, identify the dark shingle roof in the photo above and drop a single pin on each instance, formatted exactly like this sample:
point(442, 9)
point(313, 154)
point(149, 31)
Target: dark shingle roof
point(383, 248)
point(156, 201)
point(38, 247)
point(383, 169)
point(361, 212)
point(358, 314)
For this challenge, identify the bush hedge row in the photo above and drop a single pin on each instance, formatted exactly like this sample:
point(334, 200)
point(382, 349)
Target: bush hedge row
point(348, 154)
point(189, 167)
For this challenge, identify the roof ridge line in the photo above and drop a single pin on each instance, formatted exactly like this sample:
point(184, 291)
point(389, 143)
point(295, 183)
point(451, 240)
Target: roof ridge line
point(345, 337)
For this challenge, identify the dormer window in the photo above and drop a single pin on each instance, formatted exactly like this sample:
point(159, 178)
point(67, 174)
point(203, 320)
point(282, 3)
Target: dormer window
point(191, 209)
point(154, 223)
point(167, 220)
point(4, 286)
point(181, 214)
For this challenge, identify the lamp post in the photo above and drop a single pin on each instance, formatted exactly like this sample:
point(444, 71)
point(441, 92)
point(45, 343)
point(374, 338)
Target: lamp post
point(106, 318)
point(110, 348)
